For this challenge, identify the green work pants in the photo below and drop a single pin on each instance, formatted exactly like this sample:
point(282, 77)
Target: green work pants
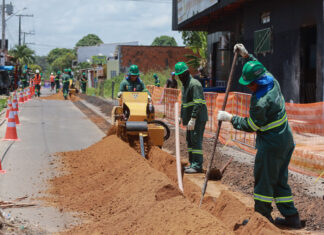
point(194, 142)
point(57, 85)
point(65, 89)
point(271, 181)
point(84, 87)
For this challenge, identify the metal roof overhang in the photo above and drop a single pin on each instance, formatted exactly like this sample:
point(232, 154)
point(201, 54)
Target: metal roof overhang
point(201, 21)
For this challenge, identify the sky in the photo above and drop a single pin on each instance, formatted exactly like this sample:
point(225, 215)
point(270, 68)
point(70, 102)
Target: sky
point(62, 23)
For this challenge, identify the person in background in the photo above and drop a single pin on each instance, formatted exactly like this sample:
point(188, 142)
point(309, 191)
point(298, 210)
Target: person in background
point(84, 80)
point(172, 82)
point(156, 80)
point(57, 81)
point(52, 80)
point(193, 115)
point(37, 83)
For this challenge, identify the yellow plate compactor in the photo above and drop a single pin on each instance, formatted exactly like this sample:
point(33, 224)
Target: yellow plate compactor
point(134, 119)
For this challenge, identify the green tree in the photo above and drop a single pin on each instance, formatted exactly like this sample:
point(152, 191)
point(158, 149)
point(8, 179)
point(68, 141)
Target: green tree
point(197, 42)
point(56, 53)
point(42, 62)
point(64, 61)
point(89, 40)
point(164, 41)
point(33, 67)
point(22, 55)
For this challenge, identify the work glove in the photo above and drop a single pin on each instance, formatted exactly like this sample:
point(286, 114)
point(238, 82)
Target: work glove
point(180, 120)
point(119, 94)
point(224, 116)
point(239, 48)
point(191, 124)
point(149, 98)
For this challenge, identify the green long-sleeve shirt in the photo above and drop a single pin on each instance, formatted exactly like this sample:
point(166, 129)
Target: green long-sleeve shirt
point(193, 102)
point(268, 118)
point(65, 78)
point(128, 85)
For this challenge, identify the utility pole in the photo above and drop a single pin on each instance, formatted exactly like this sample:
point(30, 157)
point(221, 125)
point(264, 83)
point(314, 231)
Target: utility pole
point(19, 29)
point(3, 41)
point(26, 33)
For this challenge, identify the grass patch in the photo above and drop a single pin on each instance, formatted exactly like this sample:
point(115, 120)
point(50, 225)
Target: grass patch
point(3, 104)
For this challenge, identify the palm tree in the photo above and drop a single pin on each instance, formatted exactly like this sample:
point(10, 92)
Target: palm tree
point(22, 55)
point(199, 47)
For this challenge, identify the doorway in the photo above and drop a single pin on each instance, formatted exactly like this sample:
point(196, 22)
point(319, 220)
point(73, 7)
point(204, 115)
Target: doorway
point(308, 42)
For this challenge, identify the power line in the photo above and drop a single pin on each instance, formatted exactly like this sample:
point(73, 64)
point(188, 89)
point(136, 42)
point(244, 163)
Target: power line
point(150, 1)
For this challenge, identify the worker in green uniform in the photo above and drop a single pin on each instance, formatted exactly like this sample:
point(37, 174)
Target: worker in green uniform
point(156, 80)
point(66, 82)
point(132, 82)
point(274, 142)
point(84, 80)
point(24, 79)
point(194, 116)
point(57, 81)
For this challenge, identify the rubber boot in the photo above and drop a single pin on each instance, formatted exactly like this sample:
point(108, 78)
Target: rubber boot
point(291, 221)
point(193, 170)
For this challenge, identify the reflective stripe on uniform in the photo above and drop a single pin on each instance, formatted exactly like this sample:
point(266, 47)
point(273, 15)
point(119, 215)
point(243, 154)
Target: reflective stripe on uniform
point(192, 103)
point(197, 151)
point(269, 126)
point(263, 198)
point(283, 199)
point(275, 124)
point(189, 150)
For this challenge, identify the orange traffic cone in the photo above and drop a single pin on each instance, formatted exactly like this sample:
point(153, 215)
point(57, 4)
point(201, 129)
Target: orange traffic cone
point(14, 100)
point(21, 98)
point(11, 132)
point(28, 93)
point(14, 110)
point(1, 170)
point(9, 107)
point(25, 95)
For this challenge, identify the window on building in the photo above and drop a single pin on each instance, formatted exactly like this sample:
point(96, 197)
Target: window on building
point(113, 73)
point(265, 17)
point(263, 41)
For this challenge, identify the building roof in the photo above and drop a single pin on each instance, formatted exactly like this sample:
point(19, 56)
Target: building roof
point(106, 49)
point(200, 21)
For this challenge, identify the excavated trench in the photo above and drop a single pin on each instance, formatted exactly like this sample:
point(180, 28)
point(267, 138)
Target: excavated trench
point(120, 192)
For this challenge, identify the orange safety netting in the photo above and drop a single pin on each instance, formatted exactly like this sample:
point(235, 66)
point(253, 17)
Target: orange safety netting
point(306, 121)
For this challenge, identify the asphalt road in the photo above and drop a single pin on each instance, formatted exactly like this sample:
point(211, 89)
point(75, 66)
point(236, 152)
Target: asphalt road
point(47, 127)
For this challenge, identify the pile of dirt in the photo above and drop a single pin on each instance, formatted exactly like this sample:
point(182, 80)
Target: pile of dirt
point(239, 176)
point(119, 191)
point(59, 96)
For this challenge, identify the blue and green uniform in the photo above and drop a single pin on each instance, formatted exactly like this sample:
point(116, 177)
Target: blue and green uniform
point(275, 145)
point(84, 84)
point(157, 82)
point(66, 83)
point(194, 106)
point(57, 82)
point(24, 81)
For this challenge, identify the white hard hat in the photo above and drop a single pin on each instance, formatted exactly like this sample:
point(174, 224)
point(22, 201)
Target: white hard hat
point(51, 73)
point(37, 71)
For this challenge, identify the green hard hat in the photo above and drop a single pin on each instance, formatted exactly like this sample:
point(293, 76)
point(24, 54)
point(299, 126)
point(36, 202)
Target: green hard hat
point(180, 68)
point(252, 70)
point(24, 71)
point(59, 72)
point(155, 75)
point(66, 70)
point(133, 70)
point(83, 73)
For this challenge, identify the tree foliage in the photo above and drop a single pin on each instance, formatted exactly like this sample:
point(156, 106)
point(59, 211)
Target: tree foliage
point(164, 40)
point(197, 42)
point(22, 55)
point(89, 40)
point(64, 61)
point(33, 67)
point(42, 62)
point(56, 53)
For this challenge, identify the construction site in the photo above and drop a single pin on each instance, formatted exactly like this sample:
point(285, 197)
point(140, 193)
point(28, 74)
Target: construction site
point(223, 134)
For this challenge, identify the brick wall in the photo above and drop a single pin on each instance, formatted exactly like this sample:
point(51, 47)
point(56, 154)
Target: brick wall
point(149, 58)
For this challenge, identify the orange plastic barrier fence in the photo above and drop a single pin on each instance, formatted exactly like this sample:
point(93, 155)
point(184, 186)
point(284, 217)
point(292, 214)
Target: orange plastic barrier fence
point(306, 121)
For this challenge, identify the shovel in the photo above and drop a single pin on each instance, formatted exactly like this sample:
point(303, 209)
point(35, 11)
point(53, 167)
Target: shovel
point(219, 174)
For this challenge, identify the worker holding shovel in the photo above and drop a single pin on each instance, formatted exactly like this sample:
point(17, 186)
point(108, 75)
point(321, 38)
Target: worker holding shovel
point(194, 116)
point(274, 142)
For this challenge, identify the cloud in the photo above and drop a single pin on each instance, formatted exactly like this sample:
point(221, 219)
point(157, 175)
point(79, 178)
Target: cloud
point(61, 23)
